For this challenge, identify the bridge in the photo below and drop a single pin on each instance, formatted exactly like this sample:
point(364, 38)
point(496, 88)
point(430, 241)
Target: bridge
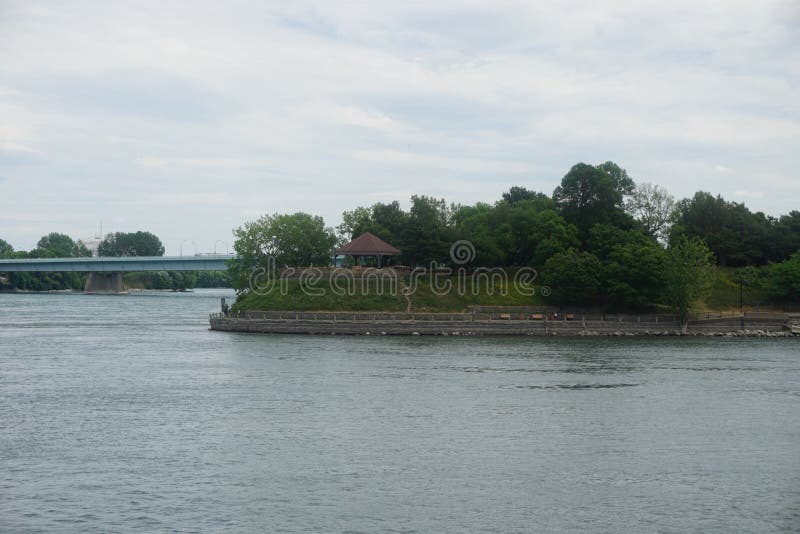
point(105, 273)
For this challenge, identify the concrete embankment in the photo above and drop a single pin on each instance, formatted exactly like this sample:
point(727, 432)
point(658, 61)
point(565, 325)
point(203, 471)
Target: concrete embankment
point(455, 324)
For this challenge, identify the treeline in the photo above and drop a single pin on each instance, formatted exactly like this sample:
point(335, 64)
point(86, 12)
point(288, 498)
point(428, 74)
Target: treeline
point(599, 239)
point(52, 245)
point(587, 211)
point(57, 245)
point(177, 280)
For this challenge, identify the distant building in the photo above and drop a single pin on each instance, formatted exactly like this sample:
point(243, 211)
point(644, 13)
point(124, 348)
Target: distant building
point(92, 243)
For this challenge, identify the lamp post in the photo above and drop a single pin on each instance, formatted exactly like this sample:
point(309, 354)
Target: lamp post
point(220, 241)
point(741, 296)
point(182, 242)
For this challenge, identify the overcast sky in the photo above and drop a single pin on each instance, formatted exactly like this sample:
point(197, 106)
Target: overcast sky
point(187, 120)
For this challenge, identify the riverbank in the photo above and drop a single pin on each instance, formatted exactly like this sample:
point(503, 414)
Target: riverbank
point(497, 323)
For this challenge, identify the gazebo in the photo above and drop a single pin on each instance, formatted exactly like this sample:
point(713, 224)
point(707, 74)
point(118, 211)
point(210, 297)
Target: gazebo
point(367, 245)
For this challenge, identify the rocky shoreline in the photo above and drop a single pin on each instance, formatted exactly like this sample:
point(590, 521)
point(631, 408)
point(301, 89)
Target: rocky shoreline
point(735, 333)
point(377, 324)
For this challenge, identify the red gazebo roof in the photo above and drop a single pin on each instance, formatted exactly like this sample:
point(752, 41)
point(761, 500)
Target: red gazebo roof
point(368, 244)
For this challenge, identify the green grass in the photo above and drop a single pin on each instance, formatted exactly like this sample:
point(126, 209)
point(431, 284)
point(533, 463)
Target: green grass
point(724, 296)
point(294, 298)
point(724, 293)
point(423, 299)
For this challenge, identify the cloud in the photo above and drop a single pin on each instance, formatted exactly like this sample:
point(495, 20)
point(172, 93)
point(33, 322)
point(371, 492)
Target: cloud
point(18, 154)
point(748, 194)
point(354, 116)
point(183, 199)
point(113, 112)
point(133, 91)
point(230, 163)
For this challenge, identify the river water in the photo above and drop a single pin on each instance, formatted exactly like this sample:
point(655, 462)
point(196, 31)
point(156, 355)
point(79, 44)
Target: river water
point(125, 412)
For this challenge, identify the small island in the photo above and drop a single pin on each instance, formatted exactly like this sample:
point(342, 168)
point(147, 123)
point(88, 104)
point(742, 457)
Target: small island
point(602, 255)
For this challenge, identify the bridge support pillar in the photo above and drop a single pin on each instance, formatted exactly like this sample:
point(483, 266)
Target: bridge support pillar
point(104, 283)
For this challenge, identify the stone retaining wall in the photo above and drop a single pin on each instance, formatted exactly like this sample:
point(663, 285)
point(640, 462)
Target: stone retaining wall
point(369, 323)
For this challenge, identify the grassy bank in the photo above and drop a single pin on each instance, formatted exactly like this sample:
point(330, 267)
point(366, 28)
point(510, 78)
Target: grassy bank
point(375, 297)
point(724, 296)
point(724, 293)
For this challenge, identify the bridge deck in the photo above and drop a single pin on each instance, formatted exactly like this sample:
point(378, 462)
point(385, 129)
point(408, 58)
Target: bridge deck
point(118, 264)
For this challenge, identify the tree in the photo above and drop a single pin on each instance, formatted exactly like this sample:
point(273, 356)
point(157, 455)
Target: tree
point(653, 207)
point(633, 272)
point(80, 250)
point(573, 277)
point(688, 275)
point(735, 235)
point(783, 280)
point(477, 224)
point(517, 194)
point(428, 231)
point(388, 221)
point(296, 240)
point(353, 223)
point(514, 225)
point(61, 245)
point(550, 235)
point(786, 239)
point(5, 248)
point(625, 183)
point(131, 244)
point(590, 195)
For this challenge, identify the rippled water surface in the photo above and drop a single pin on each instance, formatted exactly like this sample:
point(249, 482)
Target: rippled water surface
point(126, 412)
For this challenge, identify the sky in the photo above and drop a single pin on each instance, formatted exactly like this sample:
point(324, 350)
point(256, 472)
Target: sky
point(188, 119)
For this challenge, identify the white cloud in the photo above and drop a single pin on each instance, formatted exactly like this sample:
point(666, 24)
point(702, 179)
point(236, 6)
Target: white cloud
point(193, 199)
point(748, 194)
point(114, 111)
point(15, 148)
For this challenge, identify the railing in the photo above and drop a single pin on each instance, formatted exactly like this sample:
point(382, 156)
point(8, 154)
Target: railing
point(653, 320)
point(283, 315)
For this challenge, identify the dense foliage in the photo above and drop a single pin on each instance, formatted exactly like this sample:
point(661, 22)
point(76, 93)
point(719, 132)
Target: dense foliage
point(296, 239)
point(52, 245)
point(131, 244)
point(58, 245)
point(600, 240)
point(782, 282)
point(735, 235)
point(688, 274)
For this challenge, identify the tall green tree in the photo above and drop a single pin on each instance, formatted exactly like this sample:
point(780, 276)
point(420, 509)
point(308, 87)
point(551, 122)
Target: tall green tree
point(783, 280)
point(550, 235)
point(515, 223)
point(786, 237)
point(633, 272)
point(428, 231)
point(517, 194)
point(60, 245)
point(688, 275)
point(5, 248)
point(131, 244)
point(735, 235)
point(574, 278)
point(589, 195)
point(478, 224)
point(354, 223)
point(296, 240)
